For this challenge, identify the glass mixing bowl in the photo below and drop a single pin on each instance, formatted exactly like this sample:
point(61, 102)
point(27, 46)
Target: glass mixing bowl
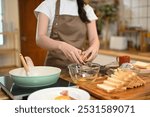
point(86, 72)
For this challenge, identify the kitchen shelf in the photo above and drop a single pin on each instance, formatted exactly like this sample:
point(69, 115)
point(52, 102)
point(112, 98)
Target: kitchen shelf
point(140, 33)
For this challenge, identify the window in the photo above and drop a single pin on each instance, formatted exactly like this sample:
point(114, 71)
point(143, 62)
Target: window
point(1, 24)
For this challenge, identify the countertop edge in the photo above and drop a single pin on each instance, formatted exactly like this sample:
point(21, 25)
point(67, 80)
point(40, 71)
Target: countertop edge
point(133, 55)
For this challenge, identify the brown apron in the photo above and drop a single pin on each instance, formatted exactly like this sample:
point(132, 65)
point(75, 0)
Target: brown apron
point(69, 29)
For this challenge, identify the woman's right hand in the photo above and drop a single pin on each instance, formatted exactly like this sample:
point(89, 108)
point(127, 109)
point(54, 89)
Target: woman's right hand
point(72, 53)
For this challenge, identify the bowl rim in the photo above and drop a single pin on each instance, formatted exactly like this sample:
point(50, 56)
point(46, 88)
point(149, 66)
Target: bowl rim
point(38, 76)
point(88, 63)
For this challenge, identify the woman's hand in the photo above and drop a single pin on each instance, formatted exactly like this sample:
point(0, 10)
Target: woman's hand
point(91, 53)
point(72, 53)
point(94, 43)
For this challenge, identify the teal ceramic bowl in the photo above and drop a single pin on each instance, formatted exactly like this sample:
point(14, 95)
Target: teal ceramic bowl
point(38, 77)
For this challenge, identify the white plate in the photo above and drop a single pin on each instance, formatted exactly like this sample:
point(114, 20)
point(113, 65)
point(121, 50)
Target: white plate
point(51, 93)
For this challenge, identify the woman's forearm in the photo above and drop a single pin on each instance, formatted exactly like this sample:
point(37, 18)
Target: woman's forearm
point(47, 43)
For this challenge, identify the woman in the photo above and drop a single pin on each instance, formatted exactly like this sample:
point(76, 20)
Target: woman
point(63, 28)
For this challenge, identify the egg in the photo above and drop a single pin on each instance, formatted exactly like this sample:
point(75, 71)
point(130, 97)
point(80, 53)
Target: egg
point(62, 97)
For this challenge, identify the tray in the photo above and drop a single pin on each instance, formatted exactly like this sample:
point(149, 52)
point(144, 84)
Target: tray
point(140, 93)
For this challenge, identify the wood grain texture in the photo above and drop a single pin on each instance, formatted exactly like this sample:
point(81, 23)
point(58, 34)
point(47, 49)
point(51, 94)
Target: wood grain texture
point(3, 96)
point(142, 92)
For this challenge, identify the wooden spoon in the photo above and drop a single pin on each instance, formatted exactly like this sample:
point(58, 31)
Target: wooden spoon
point(29, 61)
point(24, 64)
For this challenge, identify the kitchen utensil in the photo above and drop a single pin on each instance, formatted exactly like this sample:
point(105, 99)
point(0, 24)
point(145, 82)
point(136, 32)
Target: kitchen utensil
point(26, 67)
point(86, 72)
point(123, 59)
point(43, 76)
point(29, 61)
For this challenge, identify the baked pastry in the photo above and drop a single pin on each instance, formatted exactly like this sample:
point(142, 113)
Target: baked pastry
point(121, 80)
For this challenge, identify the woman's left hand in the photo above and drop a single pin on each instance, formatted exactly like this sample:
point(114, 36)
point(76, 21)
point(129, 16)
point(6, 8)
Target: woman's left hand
point(91, 53)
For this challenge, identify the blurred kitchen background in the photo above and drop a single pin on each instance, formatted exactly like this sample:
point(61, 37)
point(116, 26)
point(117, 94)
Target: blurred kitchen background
point(123, 27)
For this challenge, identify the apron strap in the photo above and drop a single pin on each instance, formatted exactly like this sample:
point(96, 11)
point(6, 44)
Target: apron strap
point(57, 8)
point(56, 18)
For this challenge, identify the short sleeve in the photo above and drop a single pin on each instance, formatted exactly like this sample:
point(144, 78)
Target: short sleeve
point(90, 13)
point(44, 7)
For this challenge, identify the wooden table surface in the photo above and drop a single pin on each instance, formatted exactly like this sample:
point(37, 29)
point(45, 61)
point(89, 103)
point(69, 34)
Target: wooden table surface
point(3, 95)
point(140, 93)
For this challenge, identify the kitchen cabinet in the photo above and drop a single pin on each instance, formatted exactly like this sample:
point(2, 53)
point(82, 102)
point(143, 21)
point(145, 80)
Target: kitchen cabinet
point(9, 51)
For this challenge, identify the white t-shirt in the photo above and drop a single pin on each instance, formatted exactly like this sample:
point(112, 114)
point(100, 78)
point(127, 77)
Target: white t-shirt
point(67, 7)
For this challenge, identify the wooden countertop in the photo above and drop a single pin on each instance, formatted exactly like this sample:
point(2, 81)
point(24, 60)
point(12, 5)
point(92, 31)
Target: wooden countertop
point(3, 96)
point(141, 56)
point(4, 93)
